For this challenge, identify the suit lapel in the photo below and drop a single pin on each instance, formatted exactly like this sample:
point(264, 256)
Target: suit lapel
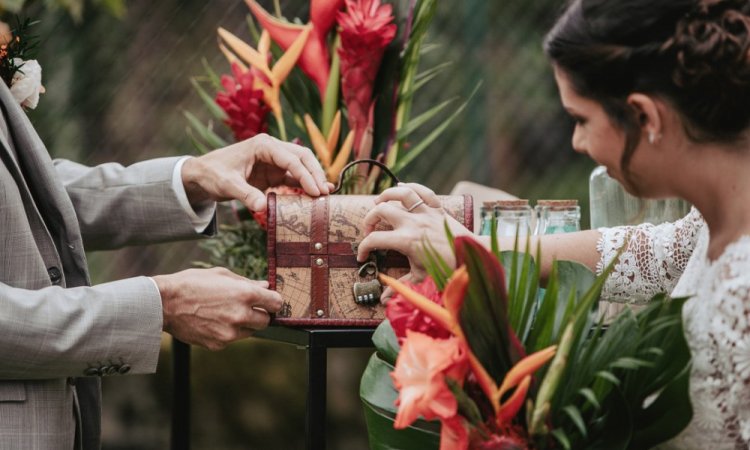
point(35, 163)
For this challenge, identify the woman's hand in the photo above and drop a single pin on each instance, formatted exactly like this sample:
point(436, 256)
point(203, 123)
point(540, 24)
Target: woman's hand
point(416, 216)
point(242, 171)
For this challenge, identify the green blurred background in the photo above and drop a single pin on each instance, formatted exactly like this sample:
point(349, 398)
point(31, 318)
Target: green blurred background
point(118, 80)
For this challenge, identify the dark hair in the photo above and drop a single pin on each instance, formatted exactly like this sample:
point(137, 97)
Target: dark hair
point(691, 53)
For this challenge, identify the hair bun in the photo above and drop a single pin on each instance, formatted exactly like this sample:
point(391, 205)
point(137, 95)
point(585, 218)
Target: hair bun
point(712, 43)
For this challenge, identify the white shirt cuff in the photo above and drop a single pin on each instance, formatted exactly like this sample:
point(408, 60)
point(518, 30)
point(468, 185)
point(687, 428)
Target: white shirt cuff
point(201, 218)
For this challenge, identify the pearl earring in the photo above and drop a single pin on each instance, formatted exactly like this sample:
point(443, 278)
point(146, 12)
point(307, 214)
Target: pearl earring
point(653, 137)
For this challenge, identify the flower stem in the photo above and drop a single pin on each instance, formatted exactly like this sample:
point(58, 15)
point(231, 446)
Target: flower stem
point(282, 126)
point(277, 8)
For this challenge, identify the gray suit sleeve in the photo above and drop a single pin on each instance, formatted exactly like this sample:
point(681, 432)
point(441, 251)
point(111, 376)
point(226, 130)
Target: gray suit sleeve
point(55, 332)
point(118, 206)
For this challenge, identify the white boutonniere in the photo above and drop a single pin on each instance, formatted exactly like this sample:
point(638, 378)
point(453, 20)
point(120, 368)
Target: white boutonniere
point(20, 73)
point(26, 85)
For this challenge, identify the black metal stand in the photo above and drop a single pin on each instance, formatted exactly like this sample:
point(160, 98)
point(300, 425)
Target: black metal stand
point(316, 341)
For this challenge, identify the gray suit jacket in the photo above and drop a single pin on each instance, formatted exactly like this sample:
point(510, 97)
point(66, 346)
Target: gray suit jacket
point(57, 333)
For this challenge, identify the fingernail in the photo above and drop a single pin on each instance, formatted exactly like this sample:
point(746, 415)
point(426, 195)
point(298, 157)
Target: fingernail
point(400, 183)
point(259, 205)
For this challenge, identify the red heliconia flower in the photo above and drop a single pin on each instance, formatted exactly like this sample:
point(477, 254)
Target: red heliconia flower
point(315, 58)
point(246, 111)
point(366, 29)
point(405, 316)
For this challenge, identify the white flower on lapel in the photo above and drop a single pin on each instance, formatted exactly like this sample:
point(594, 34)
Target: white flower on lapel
point(27, 83)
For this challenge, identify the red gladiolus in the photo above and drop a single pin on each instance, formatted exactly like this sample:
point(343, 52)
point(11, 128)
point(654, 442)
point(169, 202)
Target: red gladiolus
point(246, 112)
point(366, 29)
point(403, 315)
point(421, 369)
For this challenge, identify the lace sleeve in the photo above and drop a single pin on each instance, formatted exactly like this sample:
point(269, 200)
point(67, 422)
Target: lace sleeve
point(652, 261)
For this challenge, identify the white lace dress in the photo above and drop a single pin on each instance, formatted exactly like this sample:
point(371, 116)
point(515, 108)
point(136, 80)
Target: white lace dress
point(672, 257)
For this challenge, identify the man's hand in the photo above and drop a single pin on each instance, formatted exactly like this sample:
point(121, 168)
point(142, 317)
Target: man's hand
point(214, 307)
point(242, 171)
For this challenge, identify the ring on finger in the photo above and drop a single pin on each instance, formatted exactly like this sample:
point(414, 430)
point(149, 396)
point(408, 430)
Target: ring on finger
point(415, 206)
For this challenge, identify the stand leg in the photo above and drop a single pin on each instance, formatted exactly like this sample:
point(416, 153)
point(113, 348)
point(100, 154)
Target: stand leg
point(316, 398)
point(181, 401)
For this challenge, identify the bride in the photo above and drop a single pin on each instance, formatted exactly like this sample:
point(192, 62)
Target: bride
point(660, 94)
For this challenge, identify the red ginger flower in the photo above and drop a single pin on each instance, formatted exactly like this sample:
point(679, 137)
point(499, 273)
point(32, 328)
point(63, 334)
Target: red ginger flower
point(246, 111)
point(403, 315)
point(366, 29)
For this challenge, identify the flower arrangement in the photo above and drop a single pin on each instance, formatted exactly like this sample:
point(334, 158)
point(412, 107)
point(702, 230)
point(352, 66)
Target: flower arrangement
point(20, 73)
point(477, 358)
point(341, 81)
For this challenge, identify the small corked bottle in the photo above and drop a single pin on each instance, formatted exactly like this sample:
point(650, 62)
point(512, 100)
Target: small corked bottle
point(514, 217)
point(557, 216)
point(487, 214)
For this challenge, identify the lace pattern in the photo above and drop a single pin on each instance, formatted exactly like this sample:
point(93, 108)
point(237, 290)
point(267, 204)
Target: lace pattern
point(716, 318)
point(717, 327)
point(652, 261)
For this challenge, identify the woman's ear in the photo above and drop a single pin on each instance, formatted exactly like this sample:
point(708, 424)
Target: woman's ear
point(649, 116)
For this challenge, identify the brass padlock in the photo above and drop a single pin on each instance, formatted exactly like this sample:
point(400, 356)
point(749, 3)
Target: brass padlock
point(367, 292)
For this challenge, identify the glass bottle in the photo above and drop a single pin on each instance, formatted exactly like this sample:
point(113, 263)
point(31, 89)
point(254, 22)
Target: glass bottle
point(487, 213)
point(611, 205)
point(557, 216)
point(513, 217)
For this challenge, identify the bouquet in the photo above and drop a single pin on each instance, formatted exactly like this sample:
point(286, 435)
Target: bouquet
point(341, 81)
point(477, 358)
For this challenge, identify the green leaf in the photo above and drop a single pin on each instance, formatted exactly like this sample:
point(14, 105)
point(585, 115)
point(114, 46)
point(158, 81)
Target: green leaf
point(378, 396)
point(609, 376)
point(386, 342)
point(576, 417)
point(212, 76)
point(428, 75)
point(199, 146)
point(484, 315)
point(667, 415)
point(466, 406)
point(562, 438)
point(423, 118)
point(430, 138)
point(205, 133)
point(590, 396)
point(208, 101)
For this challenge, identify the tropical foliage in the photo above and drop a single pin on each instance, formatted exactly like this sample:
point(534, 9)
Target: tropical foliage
point(477, 357)
point(341, 82)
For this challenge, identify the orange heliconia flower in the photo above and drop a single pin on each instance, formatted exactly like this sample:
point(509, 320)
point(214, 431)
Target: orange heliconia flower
point(315, 60)
point(325, 147)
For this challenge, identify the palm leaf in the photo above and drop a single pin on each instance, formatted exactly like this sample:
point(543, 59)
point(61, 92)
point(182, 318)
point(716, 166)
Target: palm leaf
point(204, 132)
point(415, 151)
point(208, 101)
